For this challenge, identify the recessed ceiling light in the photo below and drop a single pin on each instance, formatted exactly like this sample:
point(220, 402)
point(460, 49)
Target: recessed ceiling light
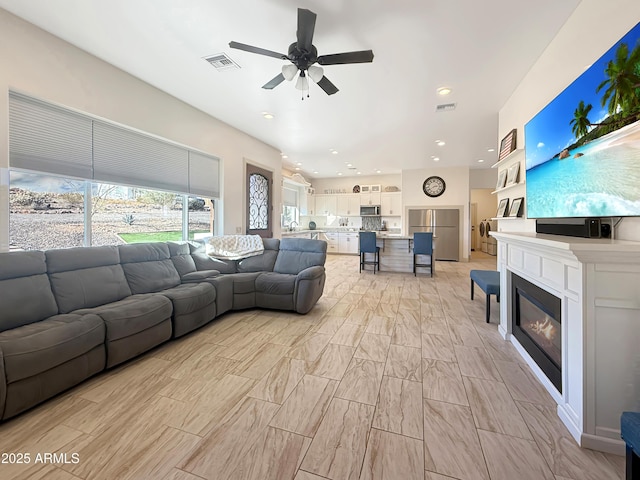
point(444, 91)
point(491, 149)
point(297, 168)
point(299, 163)
point(339, 174)
point(335, 152)
point(440, 143)
point(267, 115)
point(315, 171)
point(436, 159)
point(349, 165)
point(378, 171)
point(480, 161)
point(359, 173)
point(285, 156)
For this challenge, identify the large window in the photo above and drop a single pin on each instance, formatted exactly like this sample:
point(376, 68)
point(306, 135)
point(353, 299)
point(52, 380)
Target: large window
point(55, 212)
point(45, 211)
point(290, 206)
point(79, 180)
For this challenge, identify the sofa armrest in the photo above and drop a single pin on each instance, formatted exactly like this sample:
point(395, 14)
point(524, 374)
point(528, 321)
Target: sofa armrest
point(310, 273)
point(308, 289)
point(199, 276)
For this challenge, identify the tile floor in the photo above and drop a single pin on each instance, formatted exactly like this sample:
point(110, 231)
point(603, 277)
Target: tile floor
point(389, 377)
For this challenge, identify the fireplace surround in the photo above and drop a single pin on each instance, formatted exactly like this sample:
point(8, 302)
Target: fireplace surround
point(597, 282)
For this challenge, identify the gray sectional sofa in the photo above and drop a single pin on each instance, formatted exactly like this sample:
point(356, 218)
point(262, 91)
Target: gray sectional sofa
point(67, 314)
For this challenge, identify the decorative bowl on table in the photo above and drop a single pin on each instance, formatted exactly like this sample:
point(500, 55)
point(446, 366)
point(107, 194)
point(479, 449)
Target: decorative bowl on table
point(312, 225)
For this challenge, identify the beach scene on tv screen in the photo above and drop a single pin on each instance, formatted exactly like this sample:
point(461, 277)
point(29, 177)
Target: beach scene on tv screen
point(582, 150)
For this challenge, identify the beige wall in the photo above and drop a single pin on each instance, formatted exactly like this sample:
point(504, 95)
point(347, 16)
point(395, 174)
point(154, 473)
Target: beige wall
point(39, 64)
point(486, 202)
point(483, 178)
point(591, 30)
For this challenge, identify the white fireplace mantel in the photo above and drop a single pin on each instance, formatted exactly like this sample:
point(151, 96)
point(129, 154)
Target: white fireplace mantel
point(598, 283)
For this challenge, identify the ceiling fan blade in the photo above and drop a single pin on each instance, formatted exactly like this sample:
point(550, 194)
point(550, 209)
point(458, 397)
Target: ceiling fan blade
point(306, 27)
point(363, 56)
point(258, 50)
point(326, 85)
point(274, 82)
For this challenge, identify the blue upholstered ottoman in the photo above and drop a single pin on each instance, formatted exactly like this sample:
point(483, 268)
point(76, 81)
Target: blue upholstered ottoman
point(630, 433)
point(489, 283)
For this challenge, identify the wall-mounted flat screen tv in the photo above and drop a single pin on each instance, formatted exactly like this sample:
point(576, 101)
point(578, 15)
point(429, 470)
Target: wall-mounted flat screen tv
point(582, 151)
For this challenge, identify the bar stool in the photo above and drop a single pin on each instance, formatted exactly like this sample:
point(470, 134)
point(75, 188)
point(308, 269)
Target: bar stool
point(422, 245)
point(368, 245)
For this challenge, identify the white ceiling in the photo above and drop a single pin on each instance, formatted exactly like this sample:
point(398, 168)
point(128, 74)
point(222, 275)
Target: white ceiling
point(383, 118)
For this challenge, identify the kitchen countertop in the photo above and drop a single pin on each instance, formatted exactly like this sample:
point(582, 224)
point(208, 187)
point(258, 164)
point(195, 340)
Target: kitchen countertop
point(379, 234)
point(305, 230)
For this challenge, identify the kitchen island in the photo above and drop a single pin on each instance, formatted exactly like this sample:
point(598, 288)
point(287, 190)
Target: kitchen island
point(305, 233)
point(396, 252)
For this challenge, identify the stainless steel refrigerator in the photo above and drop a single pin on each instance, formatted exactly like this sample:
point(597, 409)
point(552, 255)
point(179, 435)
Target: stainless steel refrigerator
point(445, 226)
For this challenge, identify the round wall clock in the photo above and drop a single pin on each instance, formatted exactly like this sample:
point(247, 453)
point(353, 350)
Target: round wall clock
point(434, 186)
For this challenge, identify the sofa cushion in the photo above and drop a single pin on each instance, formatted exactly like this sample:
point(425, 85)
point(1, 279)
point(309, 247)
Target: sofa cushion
point(86, 277)
point(25, 291)
point(245, 282)
point(132, 314)
point(32, 349)
point(276, 283)
point(190, 297)
point(263, 262)
point(200, 276)
point(22, 264)
point(147, 267)
point(181, 258)
point(296, 254)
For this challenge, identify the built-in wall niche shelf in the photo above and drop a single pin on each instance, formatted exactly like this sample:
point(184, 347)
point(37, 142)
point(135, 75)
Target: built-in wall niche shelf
point(508, 158)
point(508, 187)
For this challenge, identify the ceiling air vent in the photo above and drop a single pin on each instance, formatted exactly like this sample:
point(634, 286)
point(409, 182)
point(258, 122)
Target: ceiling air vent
point(221, 62)
point(445, 107)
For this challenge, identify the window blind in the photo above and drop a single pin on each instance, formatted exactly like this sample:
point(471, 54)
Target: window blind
point(51, 139)
point(131, 158)
point(289, 197)
point(204, 177)
point(47, 138)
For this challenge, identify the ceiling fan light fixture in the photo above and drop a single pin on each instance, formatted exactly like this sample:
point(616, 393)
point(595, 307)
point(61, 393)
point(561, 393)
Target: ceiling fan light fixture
point(316, 73)
point(302, 83)
point(289, 71)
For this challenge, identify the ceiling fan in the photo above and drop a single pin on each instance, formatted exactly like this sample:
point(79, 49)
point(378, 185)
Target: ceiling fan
point(303, 55)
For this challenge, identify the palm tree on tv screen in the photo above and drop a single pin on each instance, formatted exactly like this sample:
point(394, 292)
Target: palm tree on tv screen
point(622, 82)
point(580, 123)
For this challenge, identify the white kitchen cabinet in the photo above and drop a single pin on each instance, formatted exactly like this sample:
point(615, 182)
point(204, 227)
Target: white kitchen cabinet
point(308, 205)
point(348, 205)
point(348, 243)
point(326, 204)
point(332, 242)
point(391, 204)
point(370, 198)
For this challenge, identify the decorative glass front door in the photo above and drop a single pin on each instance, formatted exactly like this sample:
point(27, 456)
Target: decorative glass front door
point(259, 205)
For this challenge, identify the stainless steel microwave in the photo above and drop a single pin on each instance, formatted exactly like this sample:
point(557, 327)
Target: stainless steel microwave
point(370, 210)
